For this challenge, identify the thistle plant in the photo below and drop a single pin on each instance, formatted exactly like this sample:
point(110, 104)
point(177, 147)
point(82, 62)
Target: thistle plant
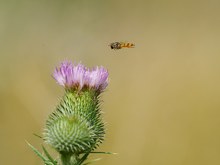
point(75, 128)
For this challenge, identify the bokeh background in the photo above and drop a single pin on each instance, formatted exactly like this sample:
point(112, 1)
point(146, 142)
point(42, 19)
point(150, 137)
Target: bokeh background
point(162, 104)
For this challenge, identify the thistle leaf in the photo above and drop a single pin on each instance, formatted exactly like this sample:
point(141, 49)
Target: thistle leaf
point(37, 135)
point(37, 152)
point(83, 158)
point(112, 153)
point(49, 156)
point(46, 161)
point(95, 160)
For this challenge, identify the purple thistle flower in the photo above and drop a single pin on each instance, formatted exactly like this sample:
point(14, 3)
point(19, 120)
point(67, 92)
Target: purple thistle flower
point(98, 78)
point(78, 76)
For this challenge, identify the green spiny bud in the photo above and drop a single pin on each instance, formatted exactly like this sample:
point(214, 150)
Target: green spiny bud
point(75, 126)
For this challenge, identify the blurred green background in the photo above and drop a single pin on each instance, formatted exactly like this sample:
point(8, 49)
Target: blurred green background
point(162, 104)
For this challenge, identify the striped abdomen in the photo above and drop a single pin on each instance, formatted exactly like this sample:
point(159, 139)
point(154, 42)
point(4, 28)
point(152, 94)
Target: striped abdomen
point(127, 45)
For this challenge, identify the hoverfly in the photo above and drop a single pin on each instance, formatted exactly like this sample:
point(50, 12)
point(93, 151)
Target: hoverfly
point(119, 45)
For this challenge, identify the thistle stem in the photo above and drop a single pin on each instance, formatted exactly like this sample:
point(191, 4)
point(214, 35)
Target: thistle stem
point(68, 159)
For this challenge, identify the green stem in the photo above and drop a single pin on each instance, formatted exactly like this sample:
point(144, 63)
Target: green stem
point(68, 159)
